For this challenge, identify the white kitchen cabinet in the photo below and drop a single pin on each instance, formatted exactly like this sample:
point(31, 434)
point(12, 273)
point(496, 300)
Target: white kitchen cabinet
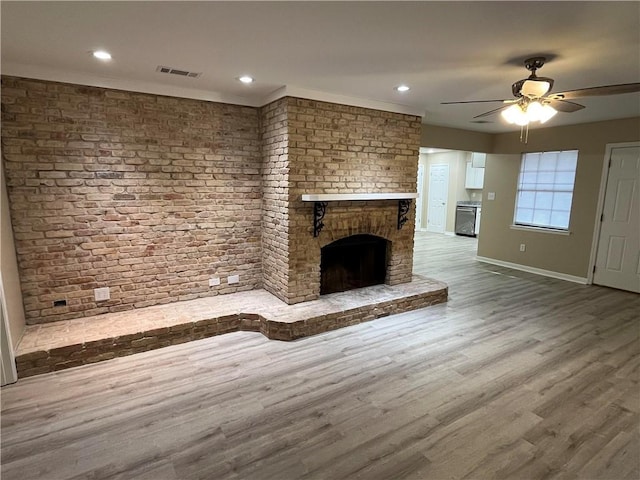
point(474, 178)
point(478, 160)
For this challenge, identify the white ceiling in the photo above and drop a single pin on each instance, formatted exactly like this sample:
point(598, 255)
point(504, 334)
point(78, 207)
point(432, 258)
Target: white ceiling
point(349, 52)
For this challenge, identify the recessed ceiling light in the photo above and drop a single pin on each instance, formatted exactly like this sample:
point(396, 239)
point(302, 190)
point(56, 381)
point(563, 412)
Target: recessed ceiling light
point(102, 55)
point(246, 79)
point(403, 88)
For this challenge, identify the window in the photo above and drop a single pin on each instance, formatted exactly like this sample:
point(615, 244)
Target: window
point(545, 189)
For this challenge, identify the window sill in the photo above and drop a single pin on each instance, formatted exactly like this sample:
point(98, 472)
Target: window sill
point(540, 230)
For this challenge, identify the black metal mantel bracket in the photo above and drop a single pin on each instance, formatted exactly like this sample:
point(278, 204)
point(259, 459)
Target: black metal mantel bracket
point(319, 210)
point(403, 210)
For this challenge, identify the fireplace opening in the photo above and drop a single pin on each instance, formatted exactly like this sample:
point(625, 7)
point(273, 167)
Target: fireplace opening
point(353, 262)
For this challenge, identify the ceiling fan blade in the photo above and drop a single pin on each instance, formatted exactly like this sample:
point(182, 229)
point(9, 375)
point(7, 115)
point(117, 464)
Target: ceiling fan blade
point(475, 101)
point(564, 106)
point(491, 112)
point(596, 91)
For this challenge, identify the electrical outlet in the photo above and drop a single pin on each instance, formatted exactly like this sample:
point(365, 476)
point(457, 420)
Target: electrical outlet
point(491, 196)
point(233, 279)
point(214, 281)
point(101, 294)
point(522, 247)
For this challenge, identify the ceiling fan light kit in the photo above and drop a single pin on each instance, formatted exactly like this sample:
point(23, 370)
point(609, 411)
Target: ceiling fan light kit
point(535, 111)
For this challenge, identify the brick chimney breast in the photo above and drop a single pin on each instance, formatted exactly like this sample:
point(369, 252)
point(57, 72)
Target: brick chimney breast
point(330, 148)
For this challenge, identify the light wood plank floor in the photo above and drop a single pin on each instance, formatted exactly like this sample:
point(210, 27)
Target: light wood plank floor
point(516, 377)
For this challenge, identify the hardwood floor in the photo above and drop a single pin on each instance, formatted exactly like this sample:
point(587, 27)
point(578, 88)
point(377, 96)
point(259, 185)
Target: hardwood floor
point(516, 377)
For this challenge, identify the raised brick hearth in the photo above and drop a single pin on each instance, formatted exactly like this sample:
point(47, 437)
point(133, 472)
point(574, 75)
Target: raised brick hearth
point(59, 345)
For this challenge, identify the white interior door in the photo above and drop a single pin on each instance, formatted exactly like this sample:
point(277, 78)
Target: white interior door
point(420, 198)
point(438, 191)
point(618, 253)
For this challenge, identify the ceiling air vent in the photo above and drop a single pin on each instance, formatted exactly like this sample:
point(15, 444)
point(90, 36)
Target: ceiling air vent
point(177, 71)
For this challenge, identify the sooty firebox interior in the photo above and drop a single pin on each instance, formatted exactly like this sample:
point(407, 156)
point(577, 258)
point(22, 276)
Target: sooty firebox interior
point(353, 262)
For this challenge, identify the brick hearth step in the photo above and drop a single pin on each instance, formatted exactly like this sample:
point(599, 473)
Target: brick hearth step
point(58, 345)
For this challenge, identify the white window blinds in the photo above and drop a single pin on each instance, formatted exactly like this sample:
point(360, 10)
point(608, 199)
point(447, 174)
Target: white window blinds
point(545, 189)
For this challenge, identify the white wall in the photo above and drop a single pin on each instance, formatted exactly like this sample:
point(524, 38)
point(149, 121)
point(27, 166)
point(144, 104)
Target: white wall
point(11, 294)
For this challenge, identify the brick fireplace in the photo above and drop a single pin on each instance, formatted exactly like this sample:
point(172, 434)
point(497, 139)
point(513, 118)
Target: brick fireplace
point(326, 148)
point(152, 196)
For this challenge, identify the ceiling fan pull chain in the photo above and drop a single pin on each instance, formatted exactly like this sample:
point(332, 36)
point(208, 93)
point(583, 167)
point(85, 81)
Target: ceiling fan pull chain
point(524, 133)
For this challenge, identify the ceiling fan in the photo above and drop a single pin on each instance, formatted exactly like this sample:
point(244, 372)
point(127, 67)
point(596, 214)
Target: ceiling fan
point(533, 102)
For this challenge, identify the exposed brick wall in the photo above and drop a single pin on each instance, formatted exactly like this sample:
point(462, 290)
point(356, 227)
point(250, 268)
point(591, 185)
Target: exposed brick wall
point(152, 195)
point(145, 194)
point(275, 204)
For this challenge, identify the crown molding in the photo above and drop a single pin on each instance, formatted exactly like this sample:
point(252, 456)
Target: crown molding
point(79, 78)
point(293, 91)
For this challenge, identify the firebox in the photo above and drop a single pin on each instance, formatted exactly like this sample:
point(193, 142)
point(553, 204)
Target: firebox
point(353, 262)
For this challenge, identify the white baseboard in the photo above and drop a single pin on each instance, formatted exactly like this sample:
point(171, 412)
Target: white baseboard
point(450, 234)
point(537, 271)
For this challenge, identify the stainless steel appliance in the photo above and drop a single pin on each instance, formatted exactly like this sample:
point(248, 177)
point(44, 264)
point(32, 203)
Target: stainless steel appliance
point(467, 218)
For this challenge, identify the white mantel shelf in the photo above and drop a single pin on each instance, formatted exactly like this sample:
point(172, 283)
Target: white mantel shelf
point(339, 197)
